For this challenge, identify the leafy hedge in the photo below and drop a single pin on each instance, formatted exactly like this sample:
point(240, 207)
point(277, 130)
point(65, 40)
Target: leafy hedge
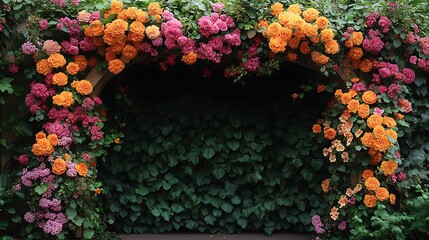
point(241, 159)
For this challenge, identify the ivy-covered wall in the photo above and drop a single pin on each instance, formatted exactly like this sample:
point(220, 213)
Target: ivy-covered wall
point(209, 155)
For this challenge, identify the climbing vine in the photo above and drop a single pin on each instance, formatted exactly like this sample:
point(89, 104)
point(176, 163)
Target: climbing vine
point(379, 61)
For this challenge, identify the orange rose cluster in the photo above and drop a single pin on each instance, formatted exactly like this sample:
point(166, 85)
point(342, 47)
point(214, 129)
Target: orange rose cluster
point(355, 54)
point(44, 145)
point(120, 40)
point(296, 31)
point(376, 193)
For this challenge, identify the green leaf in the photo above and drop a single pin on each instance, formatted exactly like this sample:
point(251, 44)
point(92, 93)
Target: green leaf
point(40, 189)
point(226, 207)
point(5, 85)
point(219, 172)
point(242, 222)
point(71, 213)
point(233, 145)
point(88, 233)
point(397, 43)
point(208, 153)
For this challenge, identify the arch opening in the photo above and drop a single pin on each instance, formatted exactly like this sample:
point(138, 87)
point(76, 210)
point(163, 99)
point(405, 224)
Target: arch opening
point(198, 151)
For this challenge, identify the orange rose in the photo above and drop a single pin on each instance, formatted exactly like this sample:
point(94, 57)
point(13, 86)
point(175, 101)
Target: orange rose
point(66, 156)
point(382, 144)
point(310, 14)
point(322, 22)
point(277, 44)
point(346, 97)
point(370, 201)
point(388, 167)
point(97, 191)
point(353, 105)
point(117, 140)
point(365, 65)
point(325, 185)
point(59, 166)
point(293, 43)
point(116, 6)
point(190, 58)
point(59, 79)
point(319, 58)
point(389, 122)
point(304, 48)
point(374, 120)
point(82, 169)
point(392, 198)
point(42, 147)
point(152, 32)
point(154, 9)
point(399, 116)
point(375, 158)
point(141, 16)
point(379, 131)
point(137, 27)
point(327, 35)
point(43, 67)
point(338, 93)
point(382, 194)
point(363, 110)
point(355, 53)
point(276, 8)
point(56, 60)
point(295, 8)
point(332, 47)
point(110, 56)
point(95, 29)
point(81, 61)
point(72, 68)
point(368, 139)
point(357, 38)
point(329, 133)
point(291, 56)
point(369, 97)
point(40, 135)
point(129, 52)
point(53, 138)
point(285, 33)
point(83, 87)
point(372, 183)
point(92, 62)
point(273, 29)
point(64, 99)
point(392, 134)
point(116, 66)
point(317, 128)
point(366, 174)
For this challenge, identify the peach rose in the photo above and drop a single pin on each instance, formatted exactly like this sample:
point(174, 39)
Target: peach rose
point(372, 183)
point(388, 167)
point(382, 194)
point(369, 97)
point(43, 67)
point(59, 166)
point(82, 169)
point(370, 201)
point(276, 8)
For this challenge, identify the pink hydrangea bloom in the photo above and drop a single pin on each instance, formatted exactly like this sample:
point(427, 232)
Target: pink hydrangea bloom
point(43, 24)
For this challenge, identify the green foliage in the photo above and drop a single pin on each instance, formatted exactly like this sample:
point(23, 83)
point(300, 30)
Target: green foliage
point(226, 165)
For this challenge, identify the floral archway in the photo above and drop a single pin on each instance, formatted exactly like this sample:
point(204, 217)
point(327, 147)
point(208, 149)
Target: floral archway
point(378, 63)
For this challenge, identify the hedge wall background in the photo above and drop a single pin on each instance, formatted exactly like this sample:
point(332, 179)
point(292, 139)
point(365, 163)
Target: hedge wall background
point(209, 155)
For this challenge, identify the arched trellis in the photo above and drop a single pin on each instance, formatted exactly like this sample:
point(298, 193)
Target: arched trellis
point(53, 151)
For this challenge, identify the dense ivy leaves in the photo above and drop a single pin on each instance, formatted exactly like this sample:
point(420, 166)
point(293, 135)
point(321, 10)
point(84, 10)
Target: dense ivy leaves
point(211, 156)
